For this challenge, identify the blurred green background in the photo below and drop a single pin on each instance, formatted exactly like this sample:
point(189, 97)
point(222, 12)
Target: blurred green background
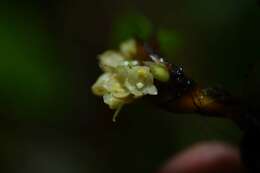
point(49, 120)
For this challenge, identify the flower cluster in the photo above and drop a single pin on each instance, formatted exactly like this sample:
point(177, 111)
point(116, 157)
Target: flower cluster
point(124, 79)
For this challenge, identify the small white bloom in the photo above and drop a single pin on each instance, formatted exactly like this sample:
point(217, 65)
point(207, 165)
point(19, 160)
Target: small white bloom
point(99, 87)
point(109, 60)
point(128, 48)
point(139, 81)
point(108, 83)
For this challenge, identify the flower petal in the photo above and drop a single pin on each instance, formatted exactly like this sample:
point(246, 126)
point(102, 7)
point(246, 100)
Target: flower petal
point(112, 101)
point(99, 88)
point(109, 60)
point(129, 48)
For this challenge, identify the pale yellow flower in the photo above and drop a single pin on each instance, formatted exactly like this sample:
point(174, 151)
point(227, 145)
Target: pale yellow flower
point(110, 59)
point(139, 81)
point(113, 92)
point(129, 48)
point(108, 83)
point(124, 79)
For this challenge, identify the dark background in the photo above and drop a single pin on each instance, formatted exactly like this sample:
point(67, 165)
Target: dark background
point(49, 120)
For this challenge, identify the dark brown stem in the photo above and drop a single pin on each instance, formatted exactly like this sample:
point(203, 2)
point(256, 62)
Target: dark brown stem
point(182, 94)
